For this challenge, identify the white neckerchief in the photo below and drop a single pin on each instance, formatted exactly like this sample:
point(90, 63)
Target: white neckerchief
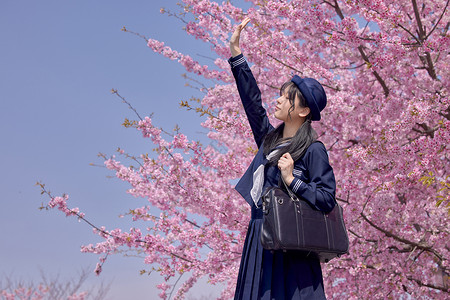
point(258, 176)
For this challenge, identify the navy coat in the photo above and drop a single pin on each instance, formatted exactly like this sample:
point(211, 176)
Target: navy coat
point(267, 274)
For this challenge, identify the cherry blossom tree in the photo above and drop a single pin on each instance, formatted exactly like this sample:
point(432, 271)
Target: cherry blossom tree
point(51, 288)
point(39, 293)
point(385, 67)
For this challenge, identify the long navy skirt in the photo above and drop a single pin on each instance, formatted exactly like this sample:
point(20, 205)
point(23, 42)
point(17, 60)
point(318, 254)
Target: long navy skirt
point(277, 275)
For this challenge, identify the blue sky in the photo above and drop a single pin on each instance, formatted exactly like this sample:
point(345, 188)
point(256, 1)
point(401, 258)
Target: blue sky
point(59, 60)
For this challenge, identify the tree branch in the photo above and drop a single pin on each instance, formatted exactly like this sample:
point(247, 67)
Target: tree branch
point(103, 232)
point(410, 33)
point(113, 91)
point(375, 73)
point(440, 18)
point(337, 9)
point(124, 29)
point(427, 130)
point(284, 64)
point(173, 288)
point(418, 20)
point(421, 246)
point(441, 288)
point(421, 283)
point(361, 51)
point(422, 38)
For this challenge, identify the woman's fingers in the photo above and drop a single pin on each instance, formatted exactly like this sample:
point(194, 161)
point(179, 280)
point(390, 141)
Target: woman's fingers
point(286, 166)
point(282, 163)
point(244, 22)
point(287, 156)
point(285, 161)
point(242, 25)
point(239, 28)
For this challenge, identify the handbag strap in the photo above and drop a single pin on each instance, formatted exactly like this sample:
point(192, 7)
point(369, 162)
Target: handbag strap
point(291, 194)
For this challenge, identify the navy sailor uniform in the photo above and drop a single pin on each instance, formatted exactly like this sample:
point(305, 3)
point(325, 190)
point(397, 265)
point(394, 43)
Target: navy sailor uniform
point(278, 275)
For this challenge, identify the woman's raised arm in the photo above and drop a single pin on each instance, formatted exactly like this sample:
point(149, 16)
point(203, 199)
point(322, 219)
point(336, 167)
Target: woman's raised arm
point(248, 89)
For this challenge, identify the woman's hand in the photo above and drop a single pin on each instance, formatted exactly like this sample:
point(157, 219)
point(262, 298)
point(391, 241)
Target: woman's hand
point(234, 41)
point(286, 166)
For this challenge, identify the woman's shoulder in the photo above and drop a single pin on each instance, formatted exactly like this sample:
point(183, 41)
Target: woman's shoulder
point(316, 151)
point(316, 146)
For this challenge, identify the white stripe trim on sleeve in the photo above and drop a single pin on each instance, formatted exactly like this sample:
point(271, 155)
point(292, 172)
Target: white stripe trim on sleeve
point(297, 185)
point(297, 173)
point(237, 62)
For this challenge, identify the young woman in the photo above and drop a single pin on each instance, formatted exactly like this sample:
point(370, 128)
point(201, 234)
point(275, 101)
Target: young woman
point(291, 153)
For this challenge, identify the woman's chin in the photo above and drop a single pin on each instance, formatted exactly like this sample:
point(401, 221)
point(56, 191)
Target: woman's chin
point(277, 116)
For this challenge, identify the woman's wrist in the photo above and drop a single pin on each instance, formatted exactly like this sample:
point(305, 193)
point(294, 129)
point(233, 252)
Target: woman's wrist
point(288, 179)
point(235, 51)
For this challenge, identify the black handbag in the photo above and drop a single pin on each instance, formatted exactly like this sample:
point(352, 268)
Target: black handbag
point(290, 223)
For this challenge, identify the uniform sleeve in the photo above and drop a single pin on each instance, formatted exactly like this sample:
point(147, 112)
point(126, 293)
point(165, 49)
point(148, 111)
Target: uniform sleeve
point(251, 98)
point(321, 189)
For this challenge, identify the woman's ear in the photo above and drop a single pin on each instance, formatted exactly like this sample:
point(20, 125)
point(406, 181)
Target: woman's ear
point(304, 111)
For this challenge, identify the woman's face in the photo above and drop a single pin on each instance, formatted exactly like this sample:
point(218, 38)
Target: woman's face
point(283, 106)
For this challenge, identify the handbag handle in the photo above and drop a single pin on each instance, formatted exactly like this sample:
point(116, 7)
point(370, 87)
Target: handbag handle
point(291, 194)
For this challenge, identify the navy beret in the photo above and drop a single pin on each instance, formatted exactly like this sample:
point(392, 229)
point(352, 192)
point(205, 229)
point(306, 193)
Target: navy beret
point(313, 93)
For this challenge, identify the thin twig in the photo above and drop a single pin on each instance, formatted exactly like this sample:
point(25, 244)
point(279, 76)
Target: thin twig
point(135, 33)
point(125, 101)
point(173, 288)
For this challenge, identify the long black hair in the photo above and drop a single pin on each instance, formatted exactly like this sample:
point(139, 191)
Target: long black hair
point(302, 139)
